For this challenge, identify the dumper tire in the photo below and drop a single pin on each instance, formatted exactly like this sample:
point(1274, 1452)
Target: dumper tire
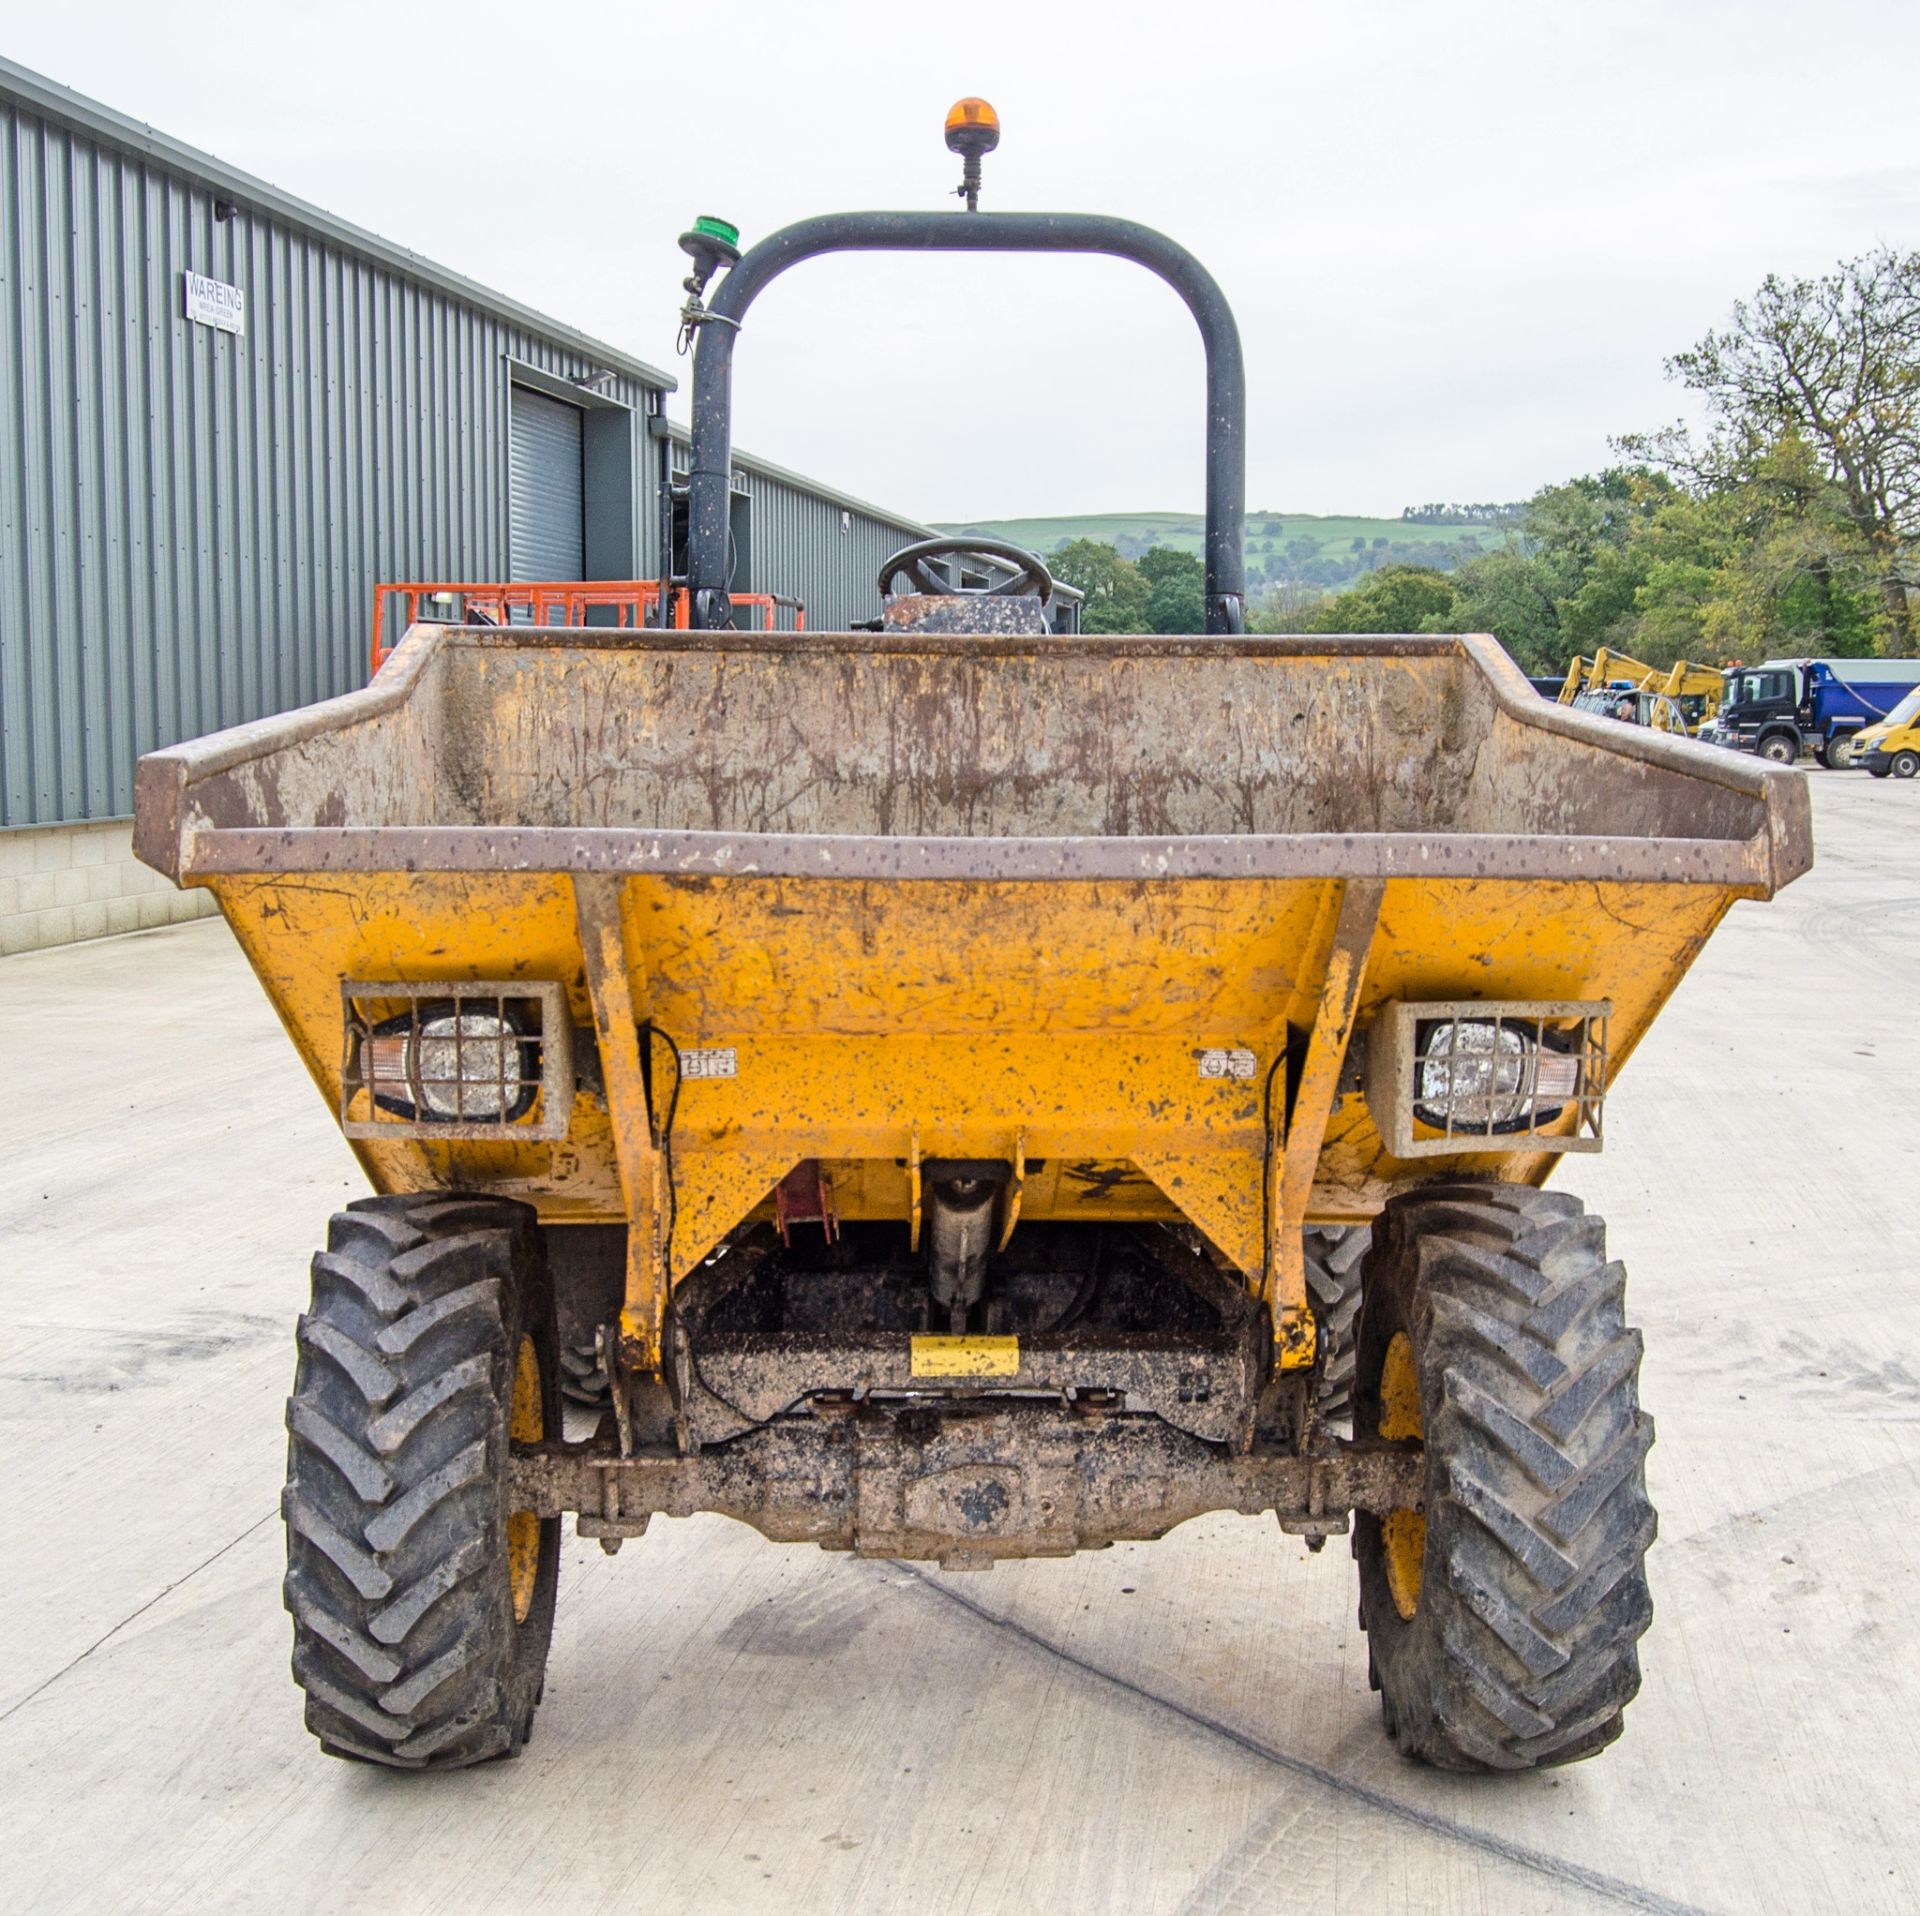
point(583, 1374)
point(1334, 1253)
point(422, 1606)
point(1528, 1586)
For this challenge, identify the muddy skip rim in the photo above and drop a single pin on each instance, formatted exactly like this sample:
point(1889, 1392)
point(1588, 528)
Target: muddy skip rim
point(1778, 850)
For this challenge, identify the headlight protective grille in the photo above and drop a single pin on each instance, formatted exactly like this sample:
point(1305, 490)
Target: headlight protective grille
point(1448, 1078)
point(456, 1060)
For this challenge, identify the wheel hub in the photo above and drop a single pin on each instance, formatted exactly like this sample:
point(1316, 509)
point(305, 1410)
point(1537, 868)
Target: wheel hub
point(1403, 1533)
point(526, 1424)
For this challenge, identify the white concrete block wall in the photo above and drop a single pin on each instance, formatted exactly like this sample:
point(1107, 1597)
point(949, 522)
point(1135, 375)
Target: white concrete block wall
point(62, 883)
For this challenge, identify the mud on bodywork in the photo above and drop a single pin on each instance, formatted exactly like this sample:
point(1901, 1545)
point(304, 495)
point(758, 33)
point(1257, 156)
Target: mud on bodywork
point(970, 896)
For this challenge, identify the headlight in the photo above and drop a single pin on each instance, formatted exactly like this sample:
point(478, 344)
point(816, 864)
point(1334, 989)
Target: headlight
point(1489, 1076)
point(452, 1064)
point(456, 1060)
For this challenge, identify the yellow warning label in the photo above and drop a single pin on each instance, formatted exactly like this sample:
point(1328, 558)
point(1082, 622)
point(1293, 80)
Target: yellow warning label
point(966, 1356)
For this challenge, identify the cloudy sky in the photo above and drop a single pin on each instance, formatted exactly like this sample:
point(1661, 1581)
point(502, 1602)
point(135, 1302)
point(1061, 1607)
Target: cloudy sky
point(1460, 239)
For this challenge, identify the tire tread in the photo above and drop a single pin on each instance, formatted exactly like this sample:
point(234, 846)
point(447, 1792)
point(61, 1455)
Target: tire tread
point(1524, 1649)
point(1334, 1254)
point(397, 1438)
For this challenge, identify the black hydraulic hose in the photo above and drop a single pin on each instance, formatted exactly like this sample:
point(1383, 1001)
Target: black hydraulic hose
point(710, 478)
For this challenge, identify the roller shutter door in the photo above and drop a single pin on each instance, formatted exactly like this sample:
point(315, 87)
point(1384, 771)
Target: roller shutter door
point(548, 501)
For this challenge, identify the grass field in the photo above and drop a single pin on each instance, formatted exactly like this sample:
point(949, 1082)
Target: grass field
point(1280, 545)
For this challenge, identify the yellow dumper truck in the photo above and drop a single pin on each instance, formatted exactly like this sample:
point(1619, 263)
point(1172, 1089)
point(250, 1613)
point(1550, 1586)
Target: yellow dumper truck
point(931, 1067)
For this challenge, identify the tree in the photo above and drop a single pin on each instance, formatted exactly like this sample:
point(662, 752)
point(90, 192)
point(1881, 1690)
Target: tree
point(1119, 598)
point(1509, 595)
point(1587, 535)
point(1788, 571)
point(1177, 584)
point(1834, 361)
point(1290, 606)
point(1603, 605)
point(1396, 598)
point(1565, 581)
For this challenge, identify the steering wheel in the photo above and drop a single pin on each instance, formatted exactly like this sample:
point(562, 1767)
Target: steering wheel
point(1030, 578)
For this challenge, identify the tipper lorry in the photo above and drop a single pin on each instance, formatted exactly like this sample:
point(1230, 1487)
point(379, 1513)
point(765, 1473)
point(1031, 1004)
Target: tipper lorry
point(936, 1072)
point(1786, 706)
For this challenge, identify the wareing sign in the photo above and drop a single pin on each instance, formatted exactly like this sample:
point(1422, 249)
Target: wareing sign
point(212, 302)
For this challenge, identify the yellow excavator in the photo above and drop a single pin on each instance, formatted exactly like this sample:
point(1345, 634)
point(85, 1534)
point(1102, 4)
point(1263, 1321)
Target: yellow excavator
point(1682, 699)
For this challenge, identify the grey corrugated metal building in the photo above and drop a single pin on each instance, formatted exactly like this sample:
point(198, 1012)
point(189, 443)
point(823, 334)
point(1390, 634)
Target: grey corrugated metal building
point(225, 416)
point(797, 530)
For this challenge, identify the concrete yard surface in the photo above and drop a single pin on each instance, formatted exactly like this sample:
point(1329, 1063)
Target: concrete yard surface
point(1184, 1726)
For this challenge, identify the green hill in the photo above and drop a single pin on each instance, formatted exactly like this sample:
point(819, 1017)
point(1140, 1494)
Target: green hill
point(1298, 546)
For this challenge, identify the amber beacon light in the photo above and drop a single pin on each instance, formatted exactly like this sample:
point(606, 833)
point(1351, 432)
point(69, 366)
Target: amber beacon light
point(973, 130)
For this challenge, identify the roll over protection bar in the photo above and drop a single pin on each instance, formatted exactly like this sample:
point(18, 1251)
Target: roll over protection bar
point(711, 463)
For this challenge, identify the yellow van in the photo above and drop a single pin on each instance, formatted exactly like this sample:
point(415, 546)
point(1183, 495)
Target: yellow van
point(1891, 749)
